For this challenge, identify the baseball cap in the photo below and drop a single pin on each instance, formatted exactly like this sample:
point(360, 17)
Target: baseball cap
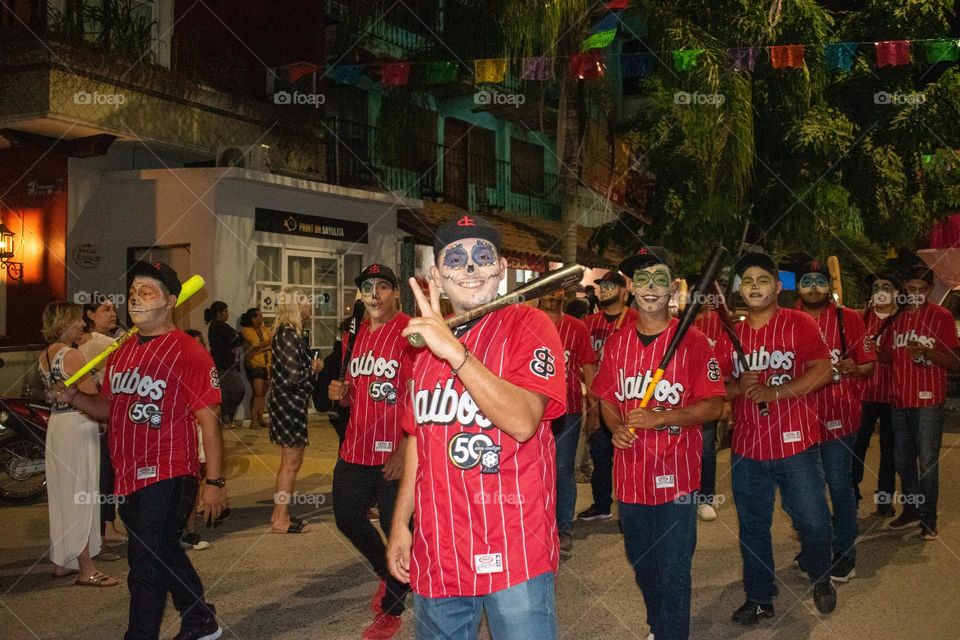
point(645, 257)
point(891, 276)
point(757, 259)
point(612, 277)
point(919, 272)
point(805, 264)
point(377, 270)
point(467, 225)
point(159, 271)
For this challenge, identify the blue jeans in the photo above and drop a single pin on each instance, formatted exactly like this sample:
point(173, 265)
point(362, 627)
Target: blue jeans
point(601, 452)
point(566, 431)
point(800, 479)
point(918, 434)
point(660, 541)
point(708, 482)
point(521, 612)
point(837, 457)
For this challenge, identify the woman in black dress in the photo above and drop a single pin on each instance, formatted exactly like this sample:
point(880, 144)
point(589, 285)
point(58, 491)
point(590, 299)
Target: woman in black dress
point(294, 374)
point(226, 347)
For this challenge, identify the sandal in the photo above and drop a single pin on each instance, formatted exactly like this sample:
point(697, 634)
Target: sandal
point(296, 526)
point(69, 572)
point(99, 580)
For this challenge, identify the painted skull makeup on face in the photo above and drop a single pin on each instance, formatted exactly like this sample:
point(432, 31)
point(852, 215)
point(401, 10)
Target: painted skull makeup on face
point(659, 277)
point(455, 257)
point(471, 273)
point(811, 280)
point(145, 296)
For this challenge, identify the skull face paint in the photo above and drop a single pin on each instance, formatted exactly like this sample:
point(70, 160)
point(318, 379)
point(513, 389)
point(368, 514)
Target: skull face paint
point(652, 287)
point(470, 272)
point(145, 297)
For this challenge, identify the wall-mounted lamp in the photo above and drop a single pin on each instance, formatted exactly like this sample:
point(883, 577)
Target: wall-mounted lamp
point(15, 269)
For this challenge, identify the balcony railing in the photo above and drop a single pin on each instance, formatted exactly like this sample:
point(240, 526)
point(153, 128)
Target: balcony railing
point(361, 156)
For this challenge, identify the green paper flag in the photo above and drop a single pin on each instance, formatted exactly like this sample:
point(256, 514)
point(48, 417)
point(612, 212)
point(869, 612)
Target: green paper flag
point(599, 40)
point(942, 50)
point(686, 59)
point(441, 72)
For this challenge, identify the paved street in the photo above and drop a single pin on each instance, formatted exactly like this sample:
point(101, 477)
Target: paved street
point(315, 586)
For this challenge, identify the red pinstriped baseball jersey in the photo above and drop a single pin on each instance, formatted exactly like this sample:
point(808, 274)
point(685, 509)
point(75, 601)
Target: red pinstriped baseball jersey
point(378, 371)
point(918, 382)
point(155, 387)
point(838, 404)
point(709, 324)
point(602, 326)
point(779, 350)
point(576, 352)
point(485, 511)
point(661, 465)
point(879, 386)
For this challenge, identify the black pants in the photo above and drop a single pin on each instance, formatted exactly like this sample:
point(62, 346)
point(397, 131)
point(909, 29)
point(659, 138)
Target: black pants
point(886, 476)
point(601, 452)
point(355, 487)
point(231, 393)
point(108, 508)
point(155, 517)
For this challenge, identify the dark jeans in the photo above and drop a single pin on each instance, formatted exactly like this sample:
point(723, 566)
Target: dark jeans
point(660, 541)
point(800, 479)
point(708, 482)
point(601, 452)
point(155, 517)
point(355, 488)
point(231, 393)
point(108, 508)
point(918, 434)
point(886, 477)
point(836, 456)
point(566, 431)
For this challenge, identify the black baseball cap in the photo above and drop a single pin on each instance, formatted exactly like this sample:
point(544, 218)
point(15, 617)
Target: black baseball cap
point(805, 264)
point(612, 277)
point(891, 276)
point(644, 258)
point(919, 272)
point(377, 270)
point(159, 271)
point(757, 259)
point(467, 225)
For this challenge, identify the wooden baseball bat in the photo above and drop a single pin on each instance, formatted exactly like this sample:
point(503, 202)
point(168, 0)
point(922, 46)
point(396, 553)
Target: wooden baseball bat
point(190, 287)
point(563, 278)
point(723, 312)
point(836, 285)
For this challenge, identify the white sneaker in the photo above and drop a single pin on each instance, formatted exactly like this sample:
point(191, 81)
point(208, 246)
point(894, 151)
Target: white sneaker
point(706, 513)
point(650, 637)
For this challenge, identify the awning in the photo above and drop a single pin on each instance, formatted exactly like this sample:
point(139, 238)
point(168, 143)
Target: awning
point(528, 243)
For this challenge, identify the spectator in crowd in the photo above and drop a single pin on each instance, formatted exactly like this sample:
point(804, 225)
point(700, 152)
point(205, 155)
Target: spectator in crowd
point(226, 347)
point(257, 340)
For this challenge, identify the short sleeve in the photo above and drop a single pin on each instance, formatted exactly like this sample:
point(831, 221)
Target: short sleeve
point(605, 382)
point(536, 360)
point(946, 329)
point(200, 377)
point(408, 420)
point(585, 354)
point(859, 343)
point(810, 344)
point(705, 375)
point(723, 351)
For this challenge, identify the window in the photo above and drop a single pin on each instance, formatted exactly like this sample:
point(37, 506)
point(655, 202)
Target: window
point(526, 167)
point(482, 161)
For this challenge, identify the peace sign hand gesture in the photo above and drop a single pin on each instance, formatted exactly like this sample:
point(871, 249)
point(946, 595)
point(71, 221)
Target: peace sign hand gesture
point(430, 324)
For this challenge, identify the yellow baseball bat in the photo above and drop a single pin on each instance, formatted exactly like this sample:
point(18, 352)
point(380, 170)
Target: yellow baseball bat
point(190, 287)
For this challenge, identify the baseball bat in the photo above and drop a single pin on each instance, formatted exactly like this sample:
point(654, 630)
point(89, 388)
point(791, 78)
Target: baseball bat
point(563, 278)
point(723, 312)
point(836, 285)
point(355, 320)
point(190, 287)
point(696, 301)
point(682, 291)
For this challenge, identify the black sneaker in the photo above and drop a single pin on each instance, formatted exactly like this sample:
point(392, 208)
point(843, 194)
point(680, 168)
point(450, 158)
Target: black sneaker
point(593, 514)
point(825, 596)
point(885, 511)
point(752, 612)
point(843, 569)
point(208, 629)
point(566, 543)
point(904, 520)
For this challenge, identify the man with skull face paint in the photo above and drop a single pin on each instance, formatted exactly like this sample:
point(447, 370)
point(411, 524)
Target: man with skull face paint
point(479, 474)
point(657, 459)
point(788, 361)
point(838, 406)
point(371, 456)
point(613, 316)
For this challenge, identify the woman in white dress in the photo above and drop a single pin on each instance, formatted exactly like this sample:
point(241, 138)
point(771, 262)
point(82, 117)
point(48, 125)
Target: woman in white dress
point(72, 456)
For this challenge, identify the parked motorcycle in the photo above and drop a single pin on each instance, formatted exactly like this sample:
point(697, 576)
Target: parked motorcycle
point(23, 429)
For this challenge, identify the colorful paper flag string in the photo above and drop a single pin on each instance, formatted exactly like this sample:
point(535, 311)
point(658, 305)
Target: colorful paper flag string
point(345, 73)
point(637, 65)
point(537, 68)
point(587, 66)
point(600, 40)
point(941, 50)
point(610, 21)
point(395, 74)
point(786, 56)
point(892, 53)
point(686, 59)
point(489, 70)
point(838, 56)
point(743, 59)
point(441, 72)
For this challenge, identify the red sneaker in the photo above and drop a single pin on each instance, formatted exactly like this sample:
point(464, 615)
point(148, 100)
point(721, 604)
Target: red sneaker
point(384, 627)
point(376, 605)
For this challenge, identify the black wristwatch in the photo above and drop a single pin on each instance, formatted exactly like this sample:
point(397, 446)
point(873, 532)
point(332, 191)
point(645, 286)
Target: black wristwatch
point(220, 482)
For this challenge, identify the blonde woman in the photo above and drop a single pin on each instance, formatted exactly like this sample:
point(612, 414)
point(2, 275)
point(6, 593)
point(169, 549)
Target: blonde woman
point(72, 455)
point(294, 374)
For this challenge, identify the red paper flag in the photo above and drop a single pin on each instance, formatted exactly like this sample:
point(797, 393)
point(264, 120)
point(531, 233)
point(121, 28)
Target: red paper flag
point(786, 56)
point(394, 74)
point(892, 53)
point(614, 5)
point(587, 66)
